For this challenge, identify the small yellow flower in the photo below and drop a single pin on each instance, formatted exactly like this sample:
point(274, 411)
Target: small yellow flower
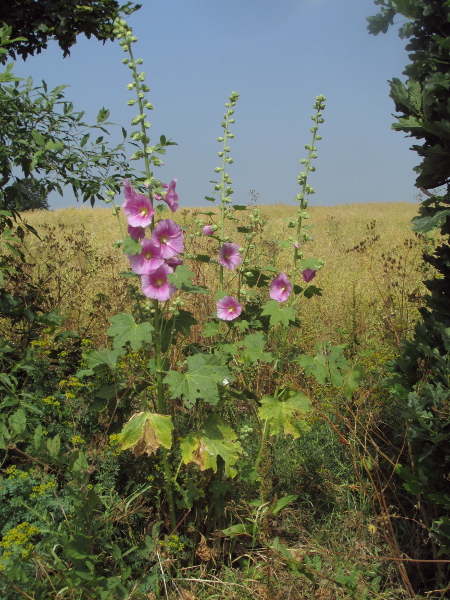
point(371, 528)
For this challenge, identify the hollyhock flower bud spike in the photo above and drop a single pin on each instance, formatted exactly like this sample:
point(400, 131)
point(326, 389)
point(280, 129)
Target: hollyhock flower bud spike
point(208, 230)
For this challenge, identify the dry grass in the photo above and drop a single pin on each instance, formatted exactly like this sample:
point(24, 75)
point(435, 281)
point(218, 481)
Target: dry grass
point(371, 281)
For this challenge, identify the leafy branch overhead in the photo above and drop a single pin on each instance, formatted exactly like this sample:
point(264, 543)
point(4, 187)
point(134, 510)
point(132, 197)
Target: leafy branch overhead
point(59, 20)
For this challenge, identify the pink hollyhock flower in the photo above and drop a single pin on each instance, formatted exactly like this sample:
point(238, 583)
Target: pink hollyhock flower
point(208, 230)
point(168, 236)
point(137, 208)
point(148, 260)
point(228, 308)
point(156, 286)
point(229, 256)
point(138, 233)
point(309, 274)
point(171, 197)
point(280, 288)
point(173, 263)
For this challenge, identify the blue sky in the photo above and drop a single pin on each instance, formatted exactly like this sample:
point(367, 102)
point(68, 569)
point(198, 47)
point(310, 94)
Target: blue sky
point(279, 56)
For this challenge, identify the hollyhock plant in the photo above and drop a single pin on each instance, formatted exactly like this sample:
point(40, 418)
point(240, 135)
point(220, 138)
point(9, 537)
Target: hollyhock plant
point(309, 274)
point(171, 197)
point(208, 230)
point(148, 260)
point(168, 236)
point(156, 286)
point(228, 308)
point(137, 208)
point(280, 288)
point(137, 233)
point(229, 256)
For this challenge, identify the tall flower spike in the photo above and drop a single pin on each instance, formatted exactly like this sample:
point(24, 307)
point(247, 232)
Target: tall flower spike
point(280, 288)
point(168, 236)
point(228, 308)
point(229, 256)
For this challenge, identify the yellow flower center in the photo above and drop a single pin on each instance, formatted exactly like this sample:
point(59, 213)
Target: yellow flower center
point(159, 282)
point(148, 255)
point(144, 211)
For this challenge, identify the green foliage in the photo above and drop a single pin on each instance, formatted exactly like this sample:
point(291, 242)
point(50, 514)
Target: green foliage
point(40, 22)
point(420, 376)
point(26, 194)
point(205, 373)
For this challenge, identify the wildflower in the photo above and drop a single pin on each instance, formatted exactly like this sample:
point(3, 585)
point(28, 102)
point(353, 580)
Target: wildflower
point(309, 274)
point(137, 208)
point(138, 233)
point(171, 197)
point(228, 308)
point(148, 260)
point(208, 230)
point(168, 236)
point(156, 286)
point(229, 256)
point(280, 288)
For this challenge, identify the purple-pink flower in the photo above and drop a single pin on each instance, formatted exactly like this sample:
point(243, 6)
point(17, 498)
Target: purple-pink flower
point(138, 233)
point(137, 208)
point(309, 274)
point(228, 308)
point(171, 197)
point(148, 260)
point(156, 286)
point(208, 230)
point(229, 256)
point(173, 263)
point(280, 288)
point(168, 236)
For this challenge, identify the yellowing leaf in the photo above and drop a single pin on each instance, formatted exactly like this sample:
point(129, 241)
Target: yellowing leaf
point(215, 438)
point(146, 432)
point(286, 416)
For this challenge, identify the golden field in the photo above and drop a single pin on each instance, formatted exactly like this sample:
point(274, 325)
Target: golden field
point(371, 281)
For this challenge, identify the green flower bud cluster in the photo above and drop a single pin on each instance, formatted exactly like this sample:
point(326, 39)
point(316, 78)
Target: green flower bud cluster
point(124, 33)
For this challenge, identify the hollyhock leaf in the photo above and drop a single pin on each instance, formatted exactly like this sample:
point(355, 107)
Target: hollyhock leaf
point(312, 290)
point(286, 417)
point(277, 314)
point(252, 349)
point(255, 277)
point(131, 246)
point(124, 329)
point(182, 276)
point(204, 373)
point(210, 330)
point(96, 360)
point(215, 438)
point(311, 263)
point(203, 258)
point(146, 432)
